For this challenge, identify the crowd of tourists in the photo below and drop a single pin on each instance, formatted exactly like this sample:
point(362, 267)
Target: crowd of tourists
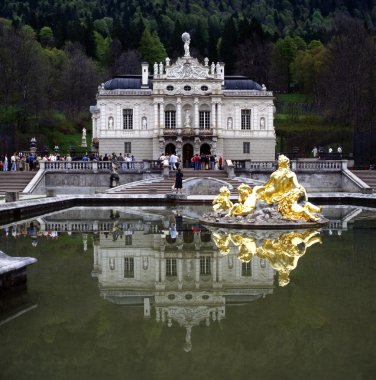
point(19, 161)
point(22, 161)
point(198, 162)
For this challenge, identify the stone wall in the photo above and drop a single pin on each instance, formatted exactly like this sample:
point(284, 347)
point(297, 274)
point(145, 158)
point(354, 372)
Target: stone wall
point(84, 183)
point(261, 149)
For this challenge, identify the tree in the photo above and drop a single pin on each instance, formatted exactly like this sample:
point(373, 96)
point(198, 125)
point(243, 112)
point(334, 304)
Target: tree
point(102, 49)
point(347, 84)
point(306, 68)
point(46, 37)
point(151, 48)
point(228, 46)
point(253, 57)
point(79, 81)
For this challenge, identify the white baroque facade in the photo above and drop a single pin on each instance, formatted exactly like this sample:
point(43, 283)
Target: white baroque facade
point(186, 108)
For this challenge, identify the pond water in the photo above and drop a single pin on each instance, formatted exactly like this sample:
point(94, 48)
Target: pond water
point(149, 293)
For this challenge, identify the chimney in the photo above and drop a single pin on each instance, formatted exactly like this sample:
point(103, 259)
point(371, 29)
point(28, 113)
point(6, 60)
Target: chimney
point(145, 74)
point(222, 72)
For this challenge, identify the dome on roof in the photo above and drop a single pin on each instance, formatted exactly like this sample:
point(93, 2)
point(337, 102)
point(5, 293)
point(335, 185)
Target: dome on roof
point(241, 84)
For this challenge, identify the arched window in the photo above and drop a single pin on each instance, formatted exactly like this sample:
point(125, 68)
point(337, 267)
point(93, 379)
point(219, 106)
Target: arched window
point(170, 117)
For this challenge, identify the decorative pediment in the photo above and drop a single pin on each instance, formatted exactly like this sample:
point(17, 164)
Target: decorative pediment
point(187, 68)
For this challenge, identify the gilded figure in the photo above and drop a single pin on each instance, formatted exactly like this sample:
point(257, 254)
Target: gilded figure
point(222, 203)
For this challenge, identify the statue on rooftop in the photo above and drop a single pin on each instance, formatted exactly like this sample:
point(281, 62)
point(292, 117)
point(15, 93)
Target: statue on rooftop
point(187, 40)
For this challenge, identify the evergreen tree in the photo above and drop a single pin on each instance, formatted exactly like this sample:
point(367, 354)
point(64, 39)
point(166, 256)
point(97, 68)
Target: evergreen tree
point(151, 48)
point(227, 49)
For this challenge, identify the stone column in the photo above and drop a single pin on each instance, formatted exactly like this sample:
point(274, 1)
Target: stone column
point(238, 117)
point(179, 269)
point(197, 270)
point(196, 117)
point(156, 120)
point(213, 116)
point(219, 122)
point(136, 118)
point(119, 120)
point(178, 113)
point(157, 268)
point(103, 117)
point(161, 115)
point(255, 119)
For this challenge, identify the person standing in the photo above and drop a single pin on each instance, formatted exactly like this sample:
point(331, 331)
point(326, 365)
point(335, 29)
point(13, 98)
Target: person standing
point(339, 151)
point(220, 162)
point(178, 181)
point(5, 165)
point(13, 167)
point(314, 151)
point(173, 160)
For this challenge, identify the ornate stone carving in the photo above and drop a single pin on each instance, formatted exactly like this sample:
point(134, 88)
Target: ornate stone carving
point(187, 69)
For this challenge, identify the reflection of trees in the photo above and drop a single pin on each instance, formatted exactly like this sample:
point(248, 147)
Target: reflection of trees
point(282, 250)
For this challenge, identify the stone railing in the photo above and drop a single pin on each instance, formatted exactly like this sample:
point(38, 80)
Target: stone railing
point(96, 166)
point(299, 166)
point(319, 165)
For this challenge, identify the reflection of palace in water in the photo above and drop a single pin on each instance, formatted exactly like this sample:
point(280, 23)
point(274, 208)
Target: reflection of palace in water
point(177, 270)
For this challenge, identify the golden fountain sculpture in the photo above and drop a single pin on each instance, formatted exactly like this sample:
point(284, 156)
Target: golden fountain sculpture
point(282, 190)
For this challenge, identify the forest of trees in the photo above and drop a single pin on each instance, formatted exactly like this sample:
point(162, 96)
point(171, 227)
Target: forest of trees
point(53, 55)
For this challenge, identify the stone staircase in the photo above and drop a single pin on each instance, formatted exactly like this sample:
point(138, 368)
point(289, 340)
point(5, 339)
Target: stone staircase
point(367, 176)
point(14, 181)
point(163, 186)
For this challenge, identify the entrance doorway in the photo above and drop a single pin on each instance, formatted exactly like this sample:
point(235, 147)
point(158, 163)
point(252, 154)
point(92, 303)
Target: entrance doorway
point(205, 149)
point(187, 155)
point(170, 148)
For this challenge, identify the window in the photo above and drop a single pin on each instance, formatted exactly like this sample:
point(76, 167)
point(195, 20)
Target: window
point(171, 268)
point(128, 239)
point(247, 269)
point(187, 88)
point(170, 119)
point(246, 147)
point(127, 147)
point(205, 267)
point(204, 88)
point(246, 119)
point(127, 119)
point(204, 119)
point(128, 267)
point(170, 88)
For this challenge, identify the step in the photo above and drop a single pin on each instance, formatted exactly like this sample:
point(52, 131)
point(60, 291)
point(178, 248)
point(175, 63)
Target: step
point(14, 181)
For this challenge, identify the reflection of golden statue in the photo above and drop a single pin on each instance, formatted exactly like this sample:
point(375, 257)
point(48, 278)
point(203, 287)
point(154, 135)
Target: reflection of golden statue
point(246, 245)
point(284, 253)
point(279, 187)
point(222, 241)
point(222, 201)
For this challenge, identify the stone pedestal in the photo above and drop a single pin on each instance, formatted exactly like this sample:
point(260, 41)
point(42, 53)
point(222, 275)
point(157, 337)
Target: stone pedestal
point(50, 193)
point(12, 196)
point(13, 270)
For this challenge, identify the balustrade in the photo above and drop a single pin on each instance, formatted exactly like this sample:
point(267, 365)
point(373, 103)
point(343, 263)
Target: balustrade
point(95, 166)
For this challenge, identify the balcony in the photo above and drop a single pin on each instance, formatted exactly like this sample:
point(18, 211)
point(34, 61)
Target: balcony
point(187, 132)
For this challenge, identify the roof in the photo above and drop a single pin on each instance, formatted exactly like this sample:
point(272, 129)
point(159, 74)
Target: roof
point(133, 82)
point(240, 83)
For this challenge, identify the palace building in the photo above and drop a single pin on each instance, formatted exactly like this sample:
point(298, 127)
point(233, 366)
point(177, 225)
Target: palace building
point(186, 107)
